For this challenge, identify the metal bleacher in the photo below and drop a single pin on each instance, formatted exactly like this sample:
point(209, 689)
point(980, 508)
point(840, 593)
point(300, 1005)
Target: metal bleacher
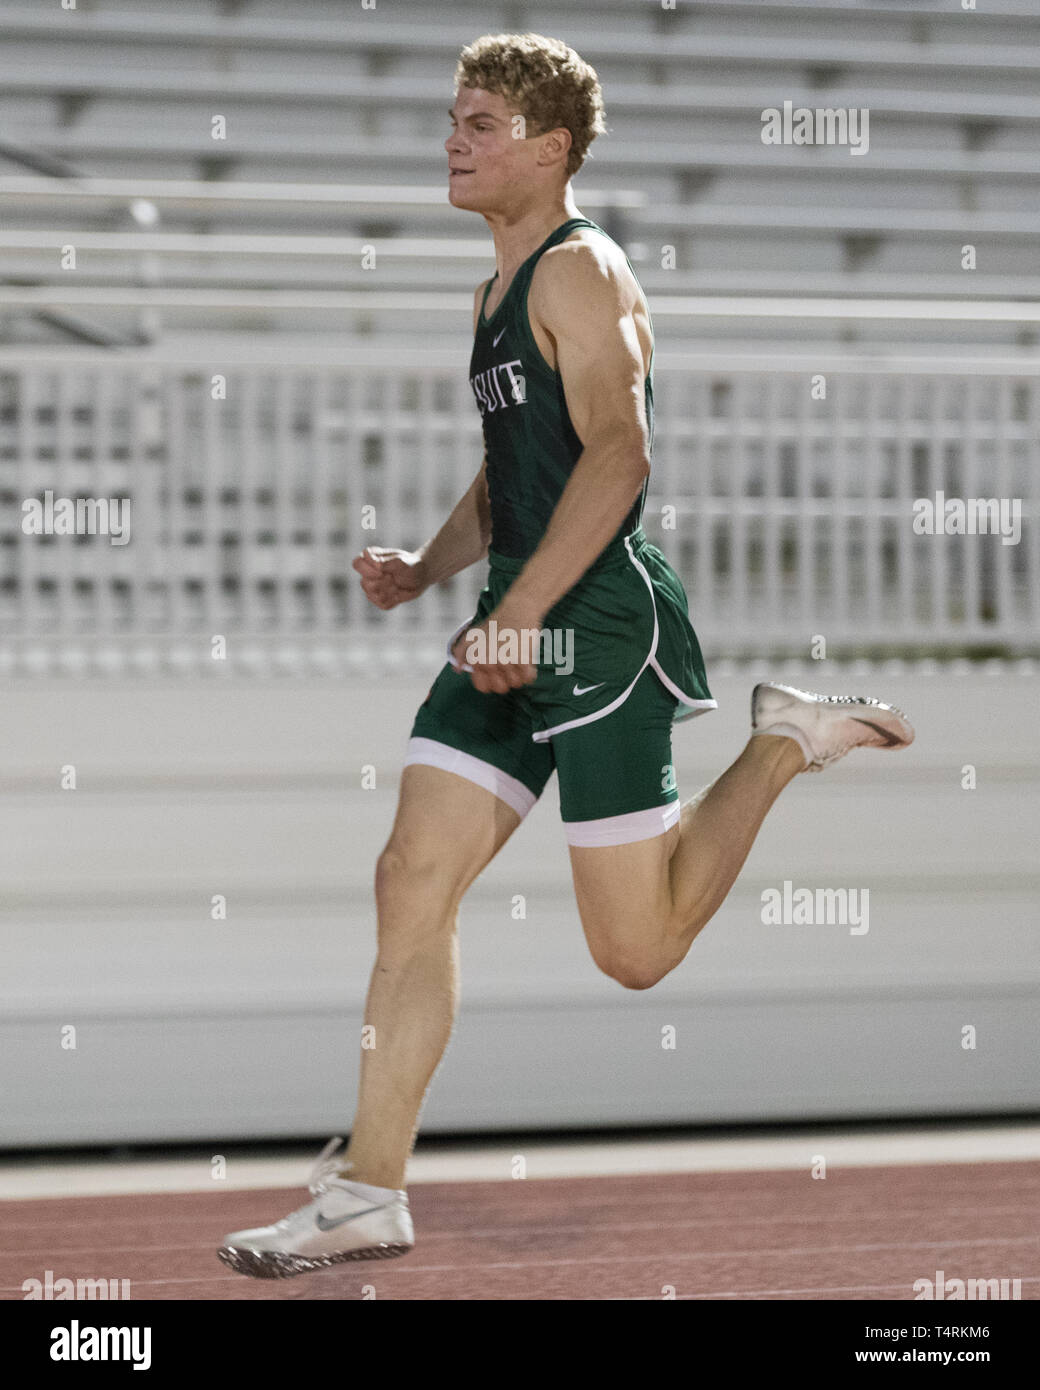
point(314, 252)
point(334, 144)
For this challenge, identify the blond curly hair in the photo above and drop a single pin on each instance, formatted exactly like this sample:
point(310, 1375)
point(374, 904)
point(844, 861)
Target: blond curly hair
point(550, 84)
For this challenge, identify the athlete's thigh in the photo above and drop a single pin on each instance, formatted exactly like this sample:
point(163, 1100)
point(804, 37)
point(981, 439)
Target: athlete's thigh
point(472, 772)
point(447, 828)
point(620, 808)
point(623, 896)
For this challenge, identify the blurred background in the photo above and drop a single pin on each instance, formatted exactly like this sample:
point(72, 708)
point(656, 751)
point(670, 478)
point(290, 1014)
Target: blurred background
point(234, 293)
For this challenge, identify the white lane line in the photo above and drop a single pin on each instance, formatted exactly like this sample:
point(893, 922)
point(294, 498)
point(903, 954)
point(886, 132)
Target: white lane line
point(657, 1258)
point(889, 1215)
point(491, 1163)
point(823, 1291)
point(604, 1228)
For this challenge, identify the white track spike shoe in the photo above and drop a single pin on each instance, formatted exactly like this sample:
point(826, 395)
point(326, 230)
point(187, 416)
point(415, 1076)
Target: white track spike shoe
point(826, 727)
point(346, 1221)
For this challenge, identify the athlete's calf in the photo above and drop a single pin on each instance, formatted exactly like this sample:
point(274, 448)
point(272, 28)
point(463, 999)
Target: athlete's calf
point(447, 829)
point(642, 904)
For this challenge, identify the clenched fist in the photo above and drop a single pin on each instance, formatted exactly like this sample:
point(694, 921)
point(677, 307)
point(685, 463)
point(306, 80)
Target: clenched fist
point(390, 577)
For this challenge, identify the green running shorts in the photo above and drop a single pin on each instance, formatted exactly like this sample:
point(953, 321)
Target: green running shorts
point(618, 663)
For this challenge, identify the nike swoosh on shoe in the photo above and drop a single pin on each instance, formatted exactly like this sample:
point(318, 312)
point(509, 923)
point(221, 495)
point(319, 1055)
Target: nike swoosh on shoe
point(891, 740)
point(324, 1224)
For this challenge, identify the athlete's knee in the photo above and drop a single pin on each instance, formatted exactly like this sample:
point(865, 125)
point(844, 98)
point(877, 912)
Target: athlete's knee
point(633, 969)
point(415, 887)
point(405, 871)
point(670, 947)
point(639, 977)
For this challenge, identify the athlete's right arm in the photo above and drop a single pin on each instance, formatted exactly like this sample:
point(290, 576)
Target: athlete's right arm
point(390, 577)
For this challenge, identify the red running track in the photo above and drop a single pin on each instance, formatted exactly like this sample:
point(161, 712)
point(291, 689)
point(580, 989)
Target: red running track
point(860, 1233)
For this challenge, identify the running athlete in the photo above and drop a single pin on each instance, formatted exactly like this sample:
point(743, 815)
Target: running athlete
point(561, 372)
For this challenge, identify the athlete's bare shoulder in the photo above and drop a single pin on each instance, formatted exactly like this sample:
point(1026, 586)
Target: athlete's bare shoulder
point(585, 266)
point(584, 289)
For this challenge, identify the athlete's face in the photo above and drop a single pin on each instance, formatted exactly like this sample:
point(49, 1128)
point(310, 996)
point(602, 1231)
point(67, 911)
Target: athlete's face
point(489, 163)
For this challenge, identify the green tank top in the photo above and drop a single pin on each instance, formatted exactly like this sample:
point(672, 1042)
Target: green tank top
point(530, 442)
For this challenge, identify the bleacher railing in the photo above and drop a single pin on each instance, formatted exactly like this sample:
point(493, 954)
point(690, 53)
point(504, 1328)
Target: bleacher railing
point(790, 497)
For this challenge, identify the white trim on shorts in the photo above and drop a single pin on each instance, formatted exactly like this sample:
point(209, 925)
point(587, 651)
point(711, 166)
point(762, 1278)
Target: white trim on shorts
point(451, 642)
point(693, 706)
point(624, 829)
point(432, 753)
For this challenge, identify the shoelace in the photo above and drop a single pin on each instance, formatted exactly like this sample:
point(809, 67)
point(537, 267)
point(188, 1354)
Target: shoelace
point(325, 1168)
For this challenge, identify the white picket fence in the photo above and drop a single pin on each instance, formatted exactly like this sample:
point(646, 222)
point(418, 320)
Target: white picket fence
point(782, 490)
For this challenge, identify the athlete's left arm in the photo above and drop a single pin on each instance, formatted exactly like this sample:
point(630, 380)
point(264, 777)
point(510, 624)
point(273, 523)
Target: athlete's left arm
point(587, 304)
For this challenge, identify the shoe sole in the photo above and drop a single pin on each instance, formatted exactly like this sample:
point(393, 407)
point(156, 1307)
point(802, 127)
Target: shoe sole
point(276, 1264)
point(893, 740)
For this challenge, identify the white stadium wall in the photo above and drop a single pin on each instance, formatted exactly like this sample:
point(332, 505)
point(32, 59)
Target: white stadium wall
point(187, 1027)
